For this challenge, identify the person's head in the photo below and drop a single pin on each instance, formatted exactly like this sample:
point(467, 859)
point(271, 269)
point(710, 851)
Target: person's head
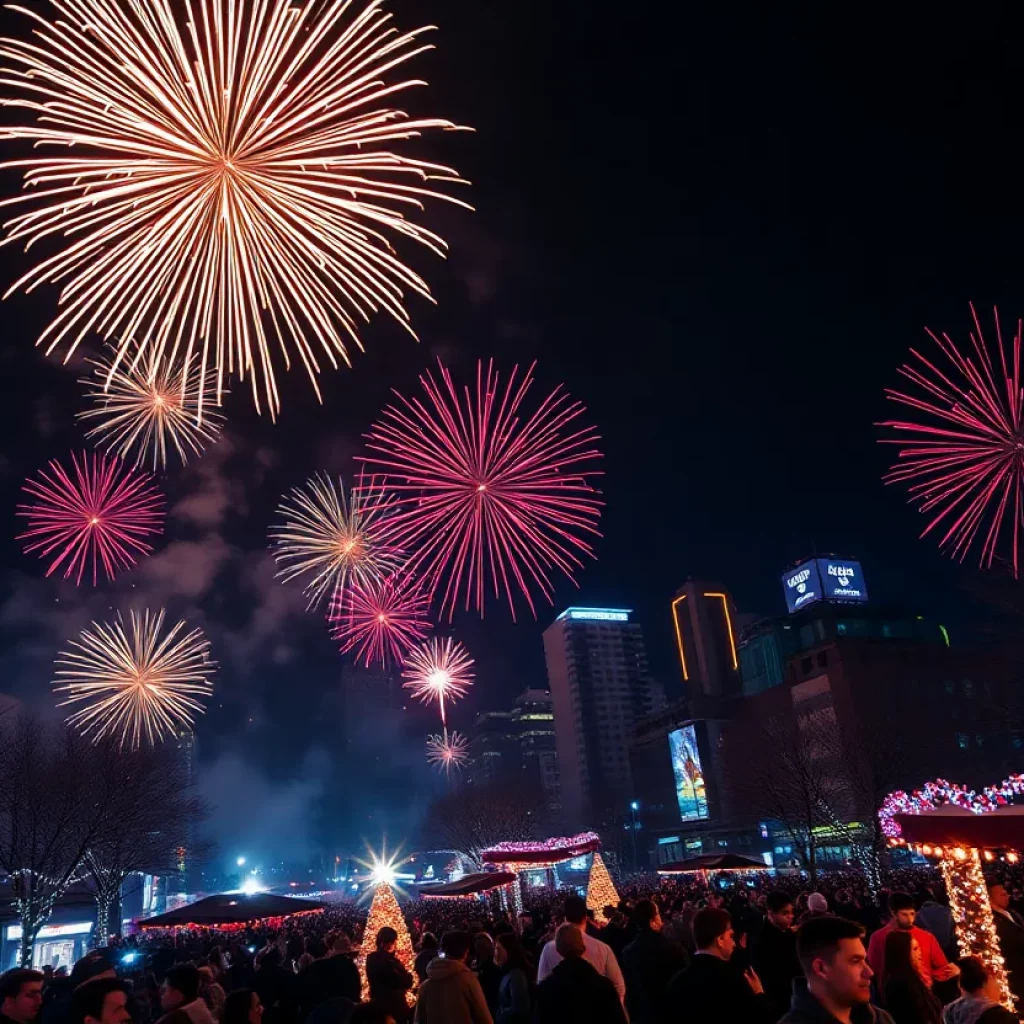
point(387, 938)
point(243, 1007)
point(834, 961)
point(102, 1001)
point(294, 947)
point(609, 912)
point(817, 904)
point(901, 904)
point(976, 979)
point(779, 906)
point(455, 945)
point(902, 956)
point(428, 941)
point(712, 932)
point(646, 915)
point(316, 947)
point(508, 952)
point(370, 1013)
point(569, 943)
point(341, 943)
point(21, 994)
point(91, 968)
point(998, 896)
point(181, 986)
point(483, 947)
point(575, 911)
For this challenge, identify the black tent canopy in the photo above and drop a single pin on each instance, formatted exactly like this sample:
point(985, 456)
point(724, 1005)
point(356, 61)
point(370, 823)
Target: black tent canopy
point(231, 909)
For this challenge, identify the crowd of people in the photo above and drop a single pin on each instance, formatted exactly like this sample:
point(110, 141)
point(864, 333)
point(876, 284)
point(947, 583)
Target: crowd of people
point(758, 950)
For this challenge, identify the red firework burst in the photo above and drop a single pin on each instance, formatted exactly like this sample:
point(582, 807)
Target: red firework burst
point(381, 621)
point(965, 463)
point(98, 514)
point(441, 670)
point(490, 495)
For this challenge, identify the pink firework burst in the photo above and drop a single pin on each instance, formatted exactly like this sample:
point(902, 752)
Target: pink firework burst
point(964, 461)
point(380, 621)
point(447, 751)
point(440, 670)
point(493, 493)
point(98, 514)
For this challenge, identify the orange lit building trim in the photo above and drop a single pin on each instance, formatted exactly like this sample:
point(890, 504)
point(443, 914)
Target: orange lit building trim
point(728, 623)
point(679, 635)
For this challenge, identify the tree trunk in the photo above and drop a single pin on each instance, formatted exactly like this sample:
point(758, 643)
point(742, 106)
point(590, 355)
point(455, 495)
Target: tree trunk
point(812, 861)
point(29, 931)
point(104, 905)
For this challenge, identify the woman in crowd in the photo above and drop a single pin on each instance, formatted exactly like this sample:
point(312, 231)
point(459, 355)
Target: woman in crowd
point(243, 1007)
point(904, 994)
point(516, 980)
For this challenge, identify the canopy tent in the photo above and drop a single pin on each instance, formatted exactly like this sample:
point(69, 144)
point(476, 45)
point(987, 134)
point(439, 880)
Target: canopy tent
point(713, 862)
point(232, 909)
point(952, 826)
point(469, 885)
point(544, 854)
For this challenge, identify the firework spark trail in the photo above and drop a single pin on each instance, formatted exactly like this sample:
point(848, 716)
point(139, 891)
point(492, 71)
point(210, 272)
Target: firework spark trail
point(447, 751)
point(331, 537)
point(489, 494)
point(380, 621)
point(439, 670)
point(140, 406)
point(227, 184)
point(965, 463)
point(99, 513)
point(135, 683)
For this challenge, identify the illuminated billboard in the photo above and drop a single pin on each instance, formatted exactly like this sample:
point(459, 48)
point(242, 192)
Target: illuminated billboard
point(691, 794)
point(842, 580)
point(802, 585)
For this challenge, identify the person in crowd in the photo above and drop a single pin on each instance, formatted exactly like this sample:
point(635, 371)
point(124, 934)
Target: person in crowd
point(817, 904)
point(295, 946)
point(598, 954)
point(428, 950)
point(243, 1006)
point(616, 933)
point(1010, 932)
point(211, 992)
point(935, 917)
point(711, 990)
point(836, 982)
point(91, 967)
point(488, 973)
point(452, 994)
point(904, 994)
point(514, 992)
point(773, 955)
point(369, 1013)
point(649, 963)
point(102, 1001)
point(979, 1001)
point(574, 991)
point(680, 927)
point(21, 995)
point(179, 997)
point(388, 979)
point(277, 988)
point(934, 965)
point(327, 977)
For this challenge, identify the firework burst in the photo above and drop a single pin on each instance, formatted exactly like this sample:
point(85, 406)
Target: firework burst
point(440, 670)
point(224, 175)
point(98, 514)
point(964, 462)
point(381, 621)
point(140, 406)
point(330, 537)
point(490, 495)
point(447, 751)
point(139, 683)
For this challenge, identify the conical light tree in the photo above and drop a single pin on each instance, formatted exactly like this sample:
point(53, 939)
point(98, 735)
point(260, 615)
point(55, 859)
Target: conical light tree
point(601, 890)
point(385, 913)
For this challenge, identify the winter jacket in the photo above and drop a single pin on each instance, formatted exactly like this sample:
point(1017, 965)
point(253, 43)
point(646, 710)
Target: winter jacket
point(514, 998)
point(451, 995)
point(805, 1009)
point(598, 954)
point(935, 918)
point(649, 963)
point(713, 991)
point(196, 1012)
point(330, 977)
point(574, 993)
point(389, 981)
point(976, 1010)
point(774, 959)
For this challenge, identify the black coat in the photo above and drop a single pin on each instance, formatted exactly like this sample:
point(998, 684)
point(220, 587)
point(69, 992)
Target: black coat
point(711, 991)
point(774, 959)
point(331, 977)
point(909, 1002)
point(389, 981)
point(805, 1009)
point(1011, 945)
point(574, 993)
point(649, 963)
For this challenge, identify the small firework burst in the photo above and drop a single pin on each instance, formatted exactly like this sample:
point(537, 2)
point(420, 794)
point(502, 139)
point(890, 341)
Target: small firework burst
point(440, 670)
point(448, 752)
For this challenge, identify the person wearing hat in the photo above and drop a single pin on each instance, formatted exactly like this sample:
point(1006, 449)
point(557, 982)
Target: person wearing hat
point(92, 967)
point(179, 997)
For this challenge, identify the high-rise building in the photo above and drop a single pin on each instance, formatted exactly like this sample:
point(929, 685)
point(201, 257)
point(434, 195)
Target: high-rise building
point(535, 728)
point(704, 616)
point(600, 688)
point(493, 750)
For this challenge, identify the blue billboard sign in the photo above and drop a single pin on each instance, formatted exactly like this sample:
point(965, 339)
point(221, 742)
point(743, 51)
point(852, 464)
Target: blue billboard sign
point(802, 585)
point(842, 580)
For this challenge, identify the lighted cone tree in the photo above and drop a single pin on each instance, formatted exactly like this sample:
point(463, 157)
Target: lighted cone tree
point(385, 913)
point(601, 890)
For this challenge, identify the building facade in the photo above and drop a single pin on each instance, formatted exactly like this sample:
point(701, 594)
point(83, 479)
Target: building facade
point(534, 721)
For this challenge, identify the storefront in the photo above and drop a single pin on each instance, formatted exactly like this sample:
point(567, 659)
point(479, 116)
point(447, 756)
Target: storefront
point(56, 945)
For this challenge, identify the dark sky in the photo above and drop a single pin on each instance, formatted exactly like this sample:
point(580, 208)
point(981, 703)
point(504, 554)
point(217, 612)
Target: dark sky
point(722, 226)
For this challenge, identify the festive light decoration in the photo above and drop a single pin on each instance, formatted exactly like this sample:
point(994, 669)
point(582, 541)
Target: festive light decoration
point(140, 405)
point(440, 670)
point(385, 913)
point(98, 514)
point(135, 683)
point(601, 890)
point(330, 537)
point(965, 462)
point(519, 856)
point(224, 173)
point(380, 621)
point(940, 793)
point(491, 495)
point(447, 751)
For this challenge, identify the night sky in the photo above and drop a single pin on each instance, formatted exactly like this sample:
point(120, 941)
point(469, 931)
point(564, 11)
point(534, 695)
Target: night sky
point(722, 226)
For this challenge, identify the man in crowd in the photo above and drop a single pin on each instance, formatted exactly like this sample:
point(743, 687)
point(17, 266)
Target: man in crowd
point(327, 977)
point(597, 954)
point(1010, 932)
point(452, 994)
point(574, 992)
point(774, 953)
point(21, 996)
point(649, 963)
point(711, 991)
point(936, 917)
point(388, 979)
point(179, 997)
point(103, 1001)
point(934, 965)
point(836, 986)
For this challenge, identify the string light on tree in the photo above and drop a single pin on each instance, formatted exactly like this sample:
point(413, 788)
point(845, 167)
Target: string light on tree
point(601, 890)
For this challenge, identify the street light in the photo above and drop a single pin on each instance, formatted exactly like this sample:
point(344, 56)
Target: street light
point(240, 862)
point(633, 808)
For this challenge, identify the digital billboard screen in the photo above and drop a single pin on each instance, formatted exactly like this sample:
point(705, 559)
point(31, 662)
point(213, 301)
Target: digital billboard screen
point(802, 585)
point(691, 794)
point(842, 580)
